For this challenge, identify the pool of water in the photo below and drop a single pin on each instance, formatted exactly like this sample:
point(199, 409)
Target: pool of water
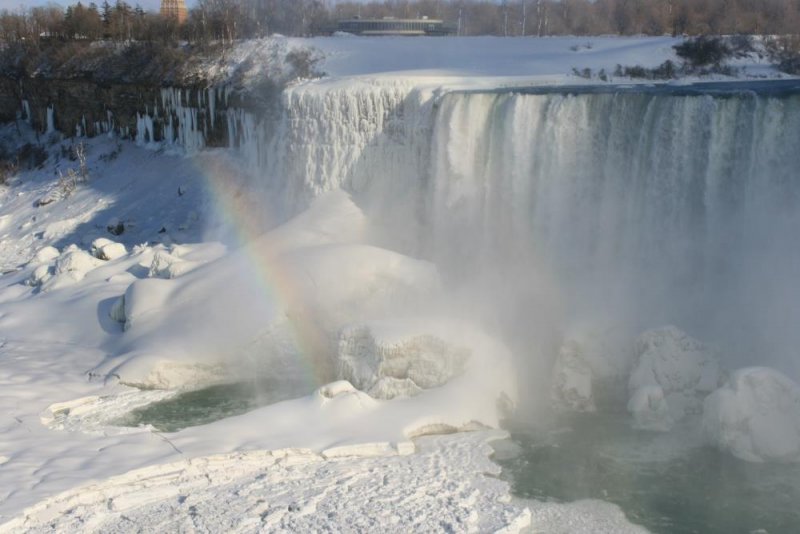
point(207, 405)
point(665, 482)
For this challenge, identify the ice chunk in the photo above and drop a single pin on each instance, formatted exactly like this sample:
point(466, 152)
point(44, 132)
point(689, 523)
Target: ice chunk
point(572, 381)
point(755, 416)
point(685, 369)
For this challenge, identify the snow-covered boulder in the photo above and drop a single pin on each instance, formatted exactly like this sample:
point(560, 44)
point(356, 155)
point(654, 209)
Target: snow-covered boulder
point(166, 265)
point(391, 359)
point(142, 297)
point(649, 409)
point(40, 275)
point(685, 369)
point(70, 267)
point(755, 416)
point(181, 259)
point(105, 249)
point(75, 260)
point(571, 384)
point(46, 254)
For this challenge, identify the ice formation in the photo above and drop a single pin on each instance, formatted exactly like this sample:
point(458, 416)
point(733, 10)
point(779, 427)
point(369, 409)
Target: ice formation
point(402, 358)
point(673, 371)
point(755, 416)
point(571, 382)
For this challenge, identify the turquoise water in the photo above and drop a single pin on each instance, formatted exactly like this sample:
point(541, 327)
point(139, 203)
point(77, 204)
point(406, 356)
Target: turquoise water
point(668, 483)
point(207, 405)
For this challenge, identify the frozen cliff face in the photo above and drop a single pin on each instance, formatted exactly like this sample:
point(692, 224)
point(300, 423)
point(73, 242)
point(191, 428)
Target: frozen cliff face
point(755, 416)
point(571, 383)
point(682, 368)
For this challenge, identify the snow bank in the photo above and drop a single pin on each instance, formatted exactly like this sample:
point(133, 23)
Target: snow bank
point(755, 416)
point(673, 369)
point(304, 279)
point(443, 487)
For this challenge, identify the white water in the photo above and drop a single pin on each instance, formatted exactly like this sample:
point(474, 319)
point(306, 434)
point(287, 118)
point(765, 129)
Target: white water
point(630, 209)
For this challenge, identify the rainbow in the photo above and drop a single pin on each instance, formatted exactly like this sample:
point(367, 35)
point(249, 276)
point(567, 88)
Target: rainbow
point(274, 281)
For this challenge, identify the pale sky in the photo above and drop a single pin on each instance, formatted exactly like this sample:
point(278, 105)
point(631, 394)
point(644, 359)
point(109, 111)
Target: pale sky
point(15, 4)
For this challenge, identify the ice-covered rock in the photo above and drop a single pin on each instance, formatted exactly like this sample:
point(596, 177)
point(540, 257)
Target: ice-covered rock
point(411, 355)
point(166, 265)
point(117, 312)
point(755, 416)
point(390, 388)
point(571, 384)
point(70, 267)
point(46, 254)
point(105, 249)
point(181, 259)
point(40, 275)
point(649, 409)
point(685, 369)
point(75, 260)
point(142, 297)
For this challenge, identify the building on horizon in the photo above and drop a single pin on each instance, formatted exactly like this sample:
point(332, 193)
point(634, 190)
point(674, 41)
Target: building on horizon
point(175, 9)
point(394, 26)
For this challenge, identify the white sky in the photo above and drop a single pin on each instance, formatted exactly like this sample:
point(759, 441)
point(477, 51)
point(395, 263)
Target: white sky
point(16, 4)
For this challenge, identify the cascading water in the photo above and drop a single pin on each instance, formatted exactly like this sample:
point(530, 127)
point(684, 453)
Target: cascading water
point(638, 208)
point(649, 208)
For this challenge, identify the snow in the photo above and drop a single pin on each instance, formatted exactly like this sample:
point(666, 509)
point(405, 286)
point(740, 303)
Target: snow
point(442, 487)
point(180, 329)
point(755, 416)
point(483, 57)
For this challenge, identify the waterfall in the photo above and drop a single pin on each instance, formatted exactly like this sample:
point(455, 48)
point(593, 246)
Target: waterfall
point(646, 208)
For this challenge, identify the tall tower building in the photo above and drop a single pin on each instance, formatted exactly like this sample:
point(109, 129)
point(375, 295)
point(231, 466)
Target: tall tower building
point(174, 8)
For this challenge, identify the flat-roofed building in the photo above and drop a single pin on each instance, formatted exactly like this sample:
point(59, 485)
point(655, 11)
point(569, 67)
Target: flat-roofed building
point(393, 26)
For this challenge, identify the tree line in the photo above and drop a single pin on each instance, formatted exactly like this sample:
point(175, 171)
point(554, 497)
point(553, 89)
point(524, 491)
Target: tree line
point(228, 20)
